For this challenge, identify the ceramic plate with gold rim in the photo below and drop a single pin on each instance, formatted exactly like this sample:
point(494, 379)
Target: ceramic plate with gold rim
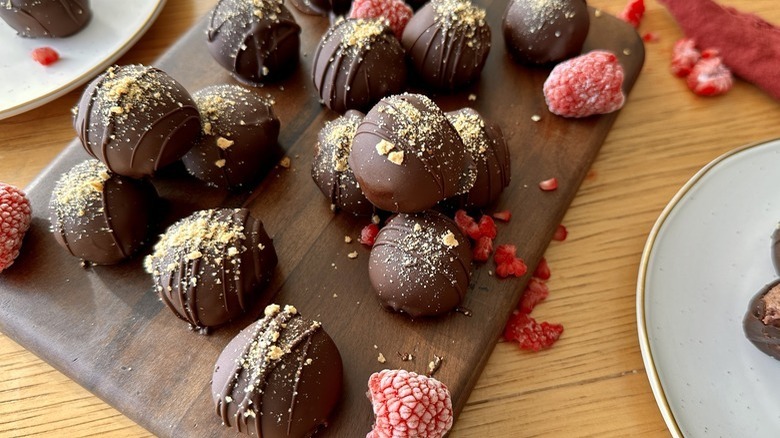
point(115, 26)
point(706, 256)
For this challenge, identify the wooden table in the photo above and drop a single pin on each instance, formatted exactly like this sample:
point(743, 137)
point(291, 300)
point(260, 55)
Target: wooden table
point(592, 382)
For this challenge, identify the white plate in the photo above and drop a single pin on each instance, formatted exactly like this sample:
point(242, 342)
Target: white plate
point(706, 256)
point(115, 26)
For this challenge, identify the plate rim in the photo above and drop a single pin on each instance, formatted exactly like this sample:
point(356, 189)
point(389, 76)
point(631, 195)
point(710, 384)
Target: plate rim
point(644, 341)
point(79, 80)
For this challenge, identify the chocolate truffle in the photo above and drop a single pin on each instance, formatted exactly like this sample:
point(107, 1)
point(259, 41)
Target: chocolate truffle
point(46, 18)
point(545, 31)
point(136, 119)
point(239, 134)
point(255, 40)
point(407, 156)
point(776, 249)
point(420, 264)
point(762, 320)
point(357, 63)
point(485, 141)
point(330, 168)
point(323, 7)
point(447, 42)
point(211, 266)
point(100, 217)
point(280, 377)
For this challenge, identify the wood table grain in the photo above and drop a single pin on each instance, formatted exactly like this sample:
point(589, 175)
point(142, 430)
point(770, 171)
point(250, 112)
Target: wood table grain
point(592, 383)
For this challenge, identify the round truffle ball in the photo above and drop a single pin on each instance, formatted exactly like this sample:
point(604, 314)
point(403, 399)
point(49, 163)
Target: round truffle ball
point(330, 168)
point(100, 217)
point(485, 141)
point(239, 133)
point(46, 18)
point(281, 377)
point(357, 63)
point(762, 320)
point(447, 42)
point(211, 266)
point(323, 7)
point(420, 264)
point(545, 31)
point(255, 40)
point(407, 156)
point(136, 119)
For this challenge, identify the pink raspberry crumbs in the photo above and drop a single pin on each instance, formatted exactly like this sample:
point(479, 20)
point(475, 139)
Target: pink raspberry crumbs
point(407, 404)
point(588, 84)
point(15, 216)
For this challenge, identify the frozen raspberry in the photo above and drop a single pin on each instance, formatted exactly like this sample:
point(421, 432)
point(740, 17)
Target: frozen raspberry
point(531, 335)
point(368, 234)
point(45, 56)
point(507, 262)
point(651, 37)
point(560, 233)
point(586, 85)
point(549, 184)
point(710, 77)
point(15, 216)
point(466, 224)
point(407, 404)
point(487, 228)
point(483, 247)
point(684, 56)
point(503, 216)
point(633, 12)
point(396, 12)
point(536, 292)
point(542, 270)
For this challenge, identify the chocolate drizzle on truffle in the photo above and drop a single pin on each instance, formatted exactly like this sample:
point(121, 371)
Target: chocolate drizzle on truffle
point(46, 18)
point(448, 42)
point(545, 31)
point(255, 40)
point(330, 168)
point(136, 120)
point(407, 156)
point(762, 320)
point(279, 377)
point(239, 134)
point(210, 267)
point(485, 141)
point(99, 217)
point(420, 264)
point(357, 63)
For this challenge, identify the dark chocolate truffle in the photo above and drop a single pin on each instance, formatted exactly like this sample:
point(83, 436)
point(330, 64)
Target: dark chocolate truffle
point(136, 120)
point(323, 7)
point(357, 63)
point(255, 40)
point(239, 134)
point(776, 249)
point(100, 217)
point(762, 320)
point(280, 377)
point(407, 156)
point(485, 141)
point(46, 18)
point(420, 264)
point(330, 168)
point(447, 42)
point(211, 266)
point(545, 31)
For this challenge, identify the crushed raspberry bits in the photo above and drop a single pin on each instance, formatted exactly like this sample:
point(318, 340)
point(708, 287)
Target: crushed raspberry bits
point(45, 56)
point(15, 216)
point(368, 234)
point(407, 404)
point(586, 85)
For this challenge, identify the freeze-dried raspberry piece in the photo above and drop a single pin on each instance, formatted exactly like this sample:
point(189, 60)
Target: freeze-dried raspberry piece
point(507, 262)
point(684, 57)
point(503, 216)
point(15, 216)
point(710, 77)
point(633, 12)
point(549, 184)
point(45, 56)
point(588, 84)
point(407, 404)
point(542, 270)
point(396, 12)
point(487, 228)
point(466, 224)
point(505, 253)
point(530, 334)
point(560, 233)
point(483, 247)
point(536, 292)
point(368, 234)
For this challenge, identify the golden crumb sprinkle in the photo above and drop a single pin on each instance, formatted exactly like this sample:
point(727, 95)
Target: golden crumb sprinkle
point(272, 309)
point(449, 239)
point(223, 143)
point(384, 147)
point(285, 162)
point(353, 255)
point(220, 163)
point(381, 358)
point(396, 157)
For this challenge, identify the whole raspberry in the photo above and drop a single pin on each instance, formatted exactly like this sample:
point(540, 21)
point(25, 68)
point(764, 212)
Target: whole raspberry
point(684, 57)
point(586, 85)
point(710, 77)
point(15, 215)
point(396, 12)
point(407, 404)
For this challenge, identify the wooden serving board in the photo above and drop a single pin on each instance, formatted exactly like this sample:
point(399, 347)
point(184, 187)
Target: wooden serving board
point(105, 327)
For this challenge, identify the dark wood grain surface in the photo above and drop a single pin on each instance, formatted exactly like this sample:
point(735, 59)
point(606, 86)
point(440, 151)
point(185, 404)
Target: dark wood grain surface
point(106, 329)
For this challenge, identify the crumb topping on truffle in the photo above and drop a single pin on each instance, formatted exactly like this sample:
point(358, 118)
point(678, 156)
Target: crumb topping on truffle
point(79, 187)
point(460, 15)
point(128, 89)
point(543, 12)
point(471, 129)
point(219, 110)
